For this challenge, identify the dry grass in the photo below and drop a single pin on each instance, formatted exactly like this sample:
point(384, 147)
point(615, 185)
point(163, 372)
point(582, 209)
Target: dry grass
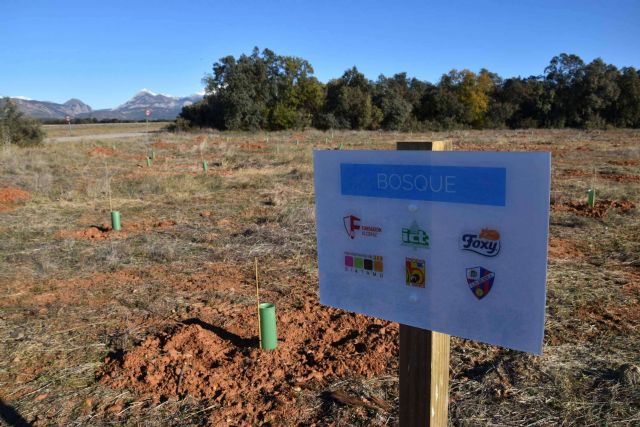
point(65, 303)
point(56, 131)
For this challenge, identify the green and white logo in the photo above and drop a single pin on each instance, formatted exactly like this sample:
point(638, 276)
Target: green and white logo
point(415, 237)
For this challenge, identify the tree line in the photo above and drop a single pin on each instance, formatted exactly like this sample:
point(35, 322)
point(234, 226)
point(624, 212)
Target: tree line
point(267, 91)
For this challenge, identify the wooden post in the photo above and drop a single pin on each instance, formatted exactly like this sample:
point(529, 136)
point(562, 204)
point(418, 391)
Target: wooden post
point(424, 355)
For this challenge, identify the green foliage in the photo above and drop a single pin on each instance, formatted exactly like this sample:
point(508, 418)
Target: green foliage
point(349, 101)
point(17, 129)
point(258, 91)
point(268, 91)
point(626, 112)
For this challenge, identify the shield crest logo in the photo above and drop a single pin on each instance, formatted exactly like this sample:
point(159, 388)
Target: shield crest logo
point(480, 281)
point(351, 225)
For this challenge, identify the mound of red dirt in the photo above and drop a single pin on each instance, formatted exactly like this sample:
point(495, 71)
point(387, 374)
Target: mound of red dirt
point(10, 196)
point(252, 146)
point(104, 231)
point(620, 177)
point(91, 233)
point(102, 151)
point(161, 144)
point(562, 249)
point(252, 386)
point(576, 173)
point(600, 210)
point(624, 162)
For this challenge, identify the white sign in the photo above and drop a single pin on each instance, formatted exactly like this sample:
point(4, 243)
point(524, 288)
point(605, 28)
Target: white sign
point(147, 112)
point(454, 242)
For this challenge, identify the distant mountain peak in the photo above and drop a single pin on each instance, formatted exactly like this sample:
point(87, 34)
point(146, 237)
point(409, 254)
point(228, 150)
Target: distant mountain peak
point(74, 101)
point(163, 107)
point(146, 91)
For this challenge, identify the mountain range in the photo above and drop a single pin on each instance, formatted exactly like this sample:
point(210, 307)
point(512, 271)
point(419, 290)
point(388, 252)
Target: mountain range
point(163, 107)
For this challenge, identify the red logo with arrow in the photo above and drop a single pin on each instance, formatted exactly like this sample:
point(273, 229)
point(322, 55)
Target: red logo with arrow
point(351, 225)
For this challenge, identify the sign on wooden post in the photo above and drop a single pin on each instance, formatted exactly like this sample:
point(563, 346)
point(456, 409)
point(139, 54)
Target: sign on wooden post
point(449, 242)
point(424, 355)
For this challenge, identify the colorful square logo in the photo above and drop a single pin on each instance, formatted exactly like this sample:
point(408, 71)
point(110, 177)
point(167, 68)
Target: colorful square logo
point(415, 272)
point(368, 265)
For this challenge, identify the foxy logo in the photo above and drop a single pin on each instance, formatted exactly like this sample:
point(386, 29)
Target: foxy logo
point(486, 243)
point(353, 228)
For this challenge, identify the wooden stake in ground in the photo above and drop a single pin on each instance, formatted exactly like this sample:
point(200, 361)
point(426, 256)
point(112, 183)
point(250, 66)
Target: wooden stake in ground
point(258, 303)
point(108, 179)
point(424, 355)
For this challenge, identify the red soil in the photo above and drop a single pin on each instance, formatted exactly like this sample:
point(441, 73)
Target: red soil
point(105, 231)
point(161, 144)
point(614, 176)
point(102, 151)
point(563, 249)
point(624, 162)
point(613, 318)
point(600, 210)
point(576, 173)
point(251, 146)
point(10, 196)
point(620, 177)
point(220, 360)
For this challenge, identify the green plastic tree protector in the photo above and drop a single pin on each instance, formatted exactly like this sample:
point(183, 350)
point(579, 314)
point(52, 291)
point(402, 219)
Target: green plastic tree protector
point(268, 334)
point(115, 220)
point(591, 197)
point(205, 166)
point(149, 161)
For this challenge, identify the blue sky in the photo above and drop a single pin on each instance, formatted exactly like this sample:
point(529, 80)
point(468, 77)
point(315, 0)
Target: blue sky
point(103, 52)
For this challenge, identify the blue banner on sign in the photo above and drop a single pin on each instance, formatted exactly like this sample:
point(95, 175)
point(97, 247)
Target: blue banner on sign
point(449, 184)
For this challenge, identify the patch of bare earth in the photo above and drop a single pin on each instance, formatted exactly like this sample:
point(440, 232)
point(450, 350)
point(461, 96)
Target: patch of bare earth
point(599, 210)
point(10, 197)
point(624, 162)
point(620, 177)
point(207, 360)
point(102, 151)
point(563, 249)
point(105, 231)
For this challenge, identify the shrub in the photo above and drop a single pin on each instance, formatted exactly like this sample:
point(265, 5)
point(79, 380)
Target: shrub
point(17, 129)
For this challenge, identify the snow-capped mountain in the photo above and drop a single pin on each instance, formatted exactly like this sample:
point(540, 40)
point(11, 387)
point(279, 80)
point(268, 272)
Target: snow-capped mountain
point(163, 107)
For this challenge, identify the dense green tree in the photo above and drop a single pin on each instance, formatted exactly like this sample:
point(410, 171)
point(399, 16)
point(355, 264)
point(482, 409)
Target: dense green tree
point(562, 74)
point(626, 111)
point(258, 91)
point(349, 101)
point(394, 97)
point(462, 97)
point(522, 103)
point(17, 129)
point(596, 94)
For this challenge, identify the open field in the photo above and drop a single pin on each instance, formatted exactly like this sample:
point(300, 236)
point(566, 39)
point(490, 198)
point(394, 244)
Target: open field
point(62, 131)
point(155, 325)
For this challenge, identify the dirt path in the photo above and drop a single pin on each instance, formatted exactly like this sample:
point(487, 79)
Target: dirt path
point(96, 136)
